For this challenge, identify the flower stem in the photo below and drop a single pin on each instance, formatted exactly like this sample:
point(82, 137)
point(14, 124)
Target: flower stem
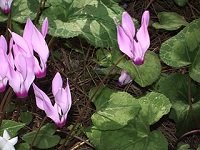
point(39, 11)
point(37, 132)
point(6, 99)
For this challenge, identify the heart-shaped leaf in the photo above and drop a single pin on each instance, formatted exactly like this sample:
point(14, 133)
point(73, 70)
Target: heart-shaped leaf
point(169, 21)
point(184, 50)
point(91, 19)
point(180, 90)
point(11, 126)
point(143, 75)
point(116, 110)
point(45, 138)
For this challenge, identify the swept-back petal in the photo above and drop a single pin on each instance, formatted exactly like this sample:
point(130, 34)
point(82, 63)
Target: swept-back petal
point(40, 45)
point(23, 45)
point(4, 63)
point(62, 101)
point(143, 34)
point(57, 83)
point(128, 25)
point(138, 54)
point(15, 80)
point(40, 96)
point(51, 111)
point(28, 32)
point(3, 44)
point(69, 96)
point(45, 26)
point(124, 42)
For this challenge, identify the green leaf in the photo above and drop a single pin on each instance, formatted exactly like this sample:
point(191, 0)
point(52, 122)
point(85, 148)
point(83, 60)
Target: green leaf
point(154, 106)
point(184, 49)
point(11, 126)
point(45, 138)
point(23, 146)
point(116, 112)
point(100, 96)
point(143, 75)
point(121, 124)
point(23, 9)
point(26, 117)
point(181, 2)
point(175, 87)
point(127, 138)
point(183, 146)
point(104, 57)
point(90, 19)
point(169, 21)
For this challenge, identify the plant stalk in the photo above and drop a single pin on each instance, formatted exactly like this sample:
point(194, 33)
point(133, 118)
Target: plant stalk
point(31, 146)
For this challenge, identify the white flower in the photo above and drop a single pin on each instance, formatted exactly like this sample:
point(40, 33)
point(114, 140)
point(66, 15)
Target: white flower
point(6, 143)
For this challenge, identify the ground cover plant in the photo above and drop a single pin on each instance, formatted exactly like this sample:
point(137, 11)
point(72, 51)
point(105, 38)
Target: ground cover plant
point(99, 74)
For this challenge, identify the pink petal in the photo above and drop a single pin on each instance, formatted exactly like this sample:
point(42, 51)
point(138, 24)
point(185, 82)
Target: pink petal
point(69, 97)
point(124, 42)
point(4, 63)
point(50, 111)
point(23, 45)
point(40, 45)
point(39, 72)
point(128, 25)
point(57, 83)
point(15, 80)
point(138, 54)
point(3, 83)
point(43, 102)
point(143, 34)
point(28, 32)
point(45, 26)
point(124, 78)
point(62, 101)
point(40, 96)
point(3, 44)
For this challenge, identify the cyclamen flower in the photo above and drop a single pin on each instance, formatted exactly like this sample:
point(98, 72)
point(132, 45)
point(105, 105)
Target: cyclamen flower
point(6, 143)
point(4, 64)
point(36, 41)
point(133, 44)
point(62, 103)
point(124, 78)
point(5, 5)
point(23, 65)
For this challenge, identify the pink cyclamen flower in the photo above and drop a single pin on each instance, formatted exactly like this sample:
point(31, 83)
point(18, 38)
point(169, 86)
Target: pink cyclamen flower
point(21, 74)
point(36, 41)
point(133, 44)
point(62, 101)
point(4, 64)
point(5, 5)
point(21, 65)
point(124, 78)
